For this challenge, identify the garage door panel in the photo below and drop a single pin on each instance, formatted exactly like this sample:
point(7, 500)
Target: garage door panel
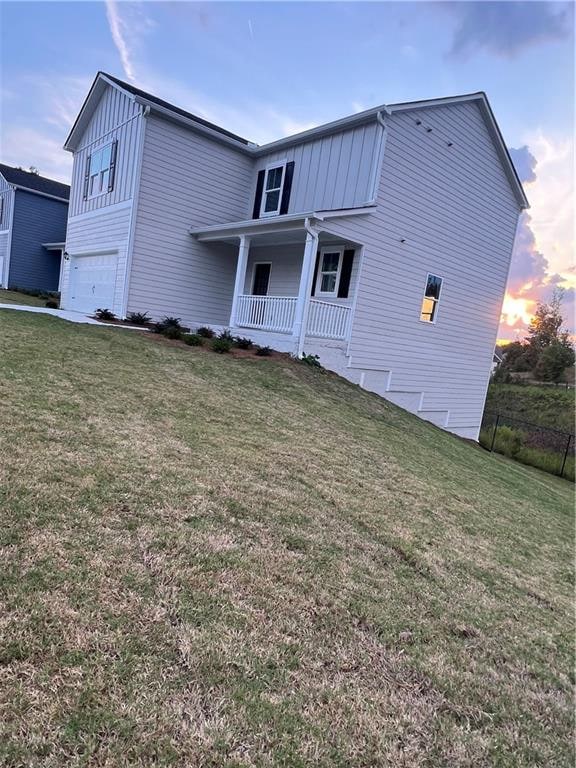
point(93, 282)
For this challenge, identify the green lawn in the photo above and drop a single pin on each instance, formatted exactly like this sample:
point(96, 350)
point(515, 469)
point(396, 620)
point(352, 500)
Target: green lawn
point(216, 561)
point(15, 297)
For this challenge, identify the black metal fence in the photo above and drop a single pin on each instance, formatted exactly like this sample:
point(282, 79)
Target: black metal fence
point(549, 449)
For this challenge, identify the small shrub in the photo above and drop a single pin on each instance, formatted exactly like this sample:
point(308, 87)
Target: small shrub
point(243, 343)
point(312, 360)
point(171, 332)
point(225, 334)
point(51, 304)
point(221, 345)
point(192, 339)
point(138, 318)
point(104, 314)
point(168, 323)
point(206, 333)
point(263, 351)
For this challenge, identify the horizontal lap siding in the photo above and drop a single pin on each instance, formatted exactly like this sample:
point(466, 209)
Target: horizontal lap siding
point(187, 181)
point(115, 118)
point(332, 172)
point(286, 269)
point(456, 211)
point(108, 230)
point(37, 220)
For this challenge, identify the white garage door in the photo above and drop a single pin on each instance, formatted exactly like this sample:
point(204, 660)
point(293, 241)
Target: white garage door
point(92, 282)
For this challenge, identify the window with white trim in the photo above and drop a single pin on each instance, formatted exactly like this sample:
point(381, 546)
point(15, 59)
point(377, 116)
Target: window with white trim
point(329, 267)
point(431, 299)
point(273, 186)
point(100, 173)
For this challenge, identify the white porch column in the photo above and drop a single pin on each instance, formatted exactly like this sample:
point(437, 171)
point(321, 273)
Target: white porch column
point(242, 263)
point(306, 276)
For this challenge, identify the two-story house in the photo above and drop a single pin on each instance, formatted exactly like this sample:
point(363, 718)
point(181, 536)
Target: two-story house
point(380, 242)
point(33, 215)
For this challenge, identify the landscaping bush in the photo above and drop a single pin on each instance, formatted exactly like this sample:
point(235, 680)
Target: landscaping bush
point(138, 318)
point(225, 334)
point(172, 332)
point(192, 339)
point(263, 351)
point(51, 304)
point(312, 360)
point(243, 343)
point(104, 314)
point(221, 345)
point(206, 333)
point(168, 324)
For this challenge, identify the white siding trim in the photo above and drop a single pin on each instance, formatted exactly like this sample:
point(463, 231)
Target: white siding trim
point(6, 276)
point(99, 211)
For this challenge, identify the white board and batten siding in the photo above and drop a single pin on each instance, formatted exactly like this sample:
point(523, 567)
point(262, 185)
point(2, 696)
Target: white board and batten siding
point(187, 181)
point(455, 211)
point(336, 171)
point(7, 195)
point(98, 232)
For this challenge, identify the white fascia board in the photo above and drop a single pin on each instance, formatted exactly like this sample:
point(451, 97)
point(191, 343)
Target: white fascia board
point(279, 224)
point(42, 194)
point(169, 114)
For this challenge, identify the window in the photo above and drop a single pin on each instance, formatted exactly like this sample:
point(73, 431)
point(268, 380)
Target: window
point(431, 299)
point(273, 183)
point(329, 268)
point(100, 172)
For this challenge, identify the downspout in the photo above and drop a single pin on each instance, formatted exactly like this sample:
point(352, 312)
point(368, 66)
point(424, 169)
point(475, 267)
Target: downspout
point(376, 170)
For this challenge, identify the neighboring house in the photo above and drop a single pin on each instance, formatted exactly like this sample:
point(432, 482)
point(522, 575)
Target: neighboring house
point(33, 214)
point(378, 242)
point(497, 359)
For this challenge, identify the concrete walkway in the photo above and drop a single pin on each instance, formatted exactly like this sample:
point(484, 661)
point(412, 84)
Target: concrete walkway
point(66, 314)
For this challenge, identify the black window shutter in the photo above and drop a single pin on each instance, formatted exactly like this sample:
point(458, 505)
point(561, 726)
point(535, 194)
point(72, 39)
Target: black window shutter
point(345, 274)
point(316, 266)
point(87, 177)
point(112, 174)
point(288, 175)
point(258, 198)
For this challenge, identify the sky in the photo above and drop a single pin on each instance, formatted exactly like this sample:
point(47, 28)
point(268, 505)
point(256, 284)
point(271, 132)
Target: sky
point(266, 70)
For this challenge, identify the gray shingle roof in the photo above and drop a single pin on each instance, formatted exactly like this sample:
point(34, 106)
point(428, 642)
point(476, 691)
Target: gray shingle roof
point(33, 181)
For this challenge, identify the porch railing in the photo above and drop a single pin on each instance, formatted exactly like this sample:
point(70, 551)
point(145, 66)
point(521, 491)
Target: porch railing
point(276, 313)
point(327, 320)
point(270, 313)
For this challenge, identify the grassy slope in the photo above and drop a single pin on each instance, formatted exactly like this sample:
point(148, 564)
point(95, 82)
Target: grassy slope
point(226, 562)
point(15, 297)
point(548, 406)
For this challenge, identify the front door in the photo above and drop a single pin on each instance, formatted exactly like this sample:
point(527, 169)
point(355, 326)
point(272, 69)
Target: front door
point(261, 279)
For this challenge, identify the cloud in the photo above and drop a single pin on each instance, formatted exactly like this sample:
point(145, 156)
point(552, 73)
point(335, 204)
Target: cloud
point(525, 163)
point(532, 277)
point(128, 27)
point(507, 28)
point(41, 151)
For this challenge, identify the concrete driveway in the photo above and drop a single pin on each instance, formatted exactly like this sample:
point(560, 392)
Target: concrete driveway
point(66, 314)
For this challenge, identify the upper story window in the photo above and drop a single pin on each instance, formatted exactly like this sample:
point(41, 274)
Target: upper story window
point(431, 299)
point(100, 171)
point(329, 268)
point(273, 186)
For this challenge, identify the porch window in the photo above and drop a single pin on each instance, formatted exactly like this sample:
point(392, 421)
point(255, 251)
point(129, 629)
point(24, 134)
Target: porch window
point(100, 173)
point(431, 299)
point(329, 272)
point(273, 183)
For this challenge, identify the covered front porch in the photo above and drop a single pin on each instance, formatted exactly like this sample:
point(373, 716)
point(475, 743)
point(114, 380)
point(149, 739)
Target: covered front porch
point(293, 278)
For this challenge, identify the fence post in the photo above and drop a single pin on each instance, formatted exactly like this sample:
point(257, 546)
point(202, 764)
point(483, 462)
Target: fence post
point(494, 433)
point(565, 455)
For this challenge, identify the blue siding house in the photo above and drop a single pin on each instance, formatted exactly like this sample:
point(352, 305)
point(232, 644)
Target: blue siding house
point(33, 216)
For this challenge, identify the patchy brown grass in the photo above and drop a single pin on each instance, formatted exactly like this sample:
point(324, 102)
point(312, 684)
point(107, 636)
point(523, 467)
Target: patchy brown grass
point(15, 297)
point(218, 561)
